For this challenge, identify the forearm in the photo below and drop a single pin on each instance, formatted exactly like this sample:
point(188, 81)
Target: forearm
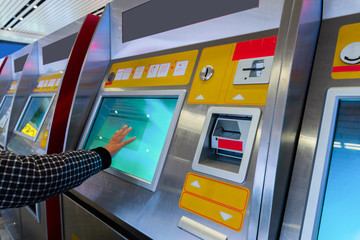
point(34, 178)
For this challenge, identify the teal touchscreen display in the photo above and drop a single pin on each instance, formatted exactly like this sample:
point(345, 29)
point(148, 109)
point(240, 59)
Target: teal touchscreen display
point(340, 212)
point(149, 117)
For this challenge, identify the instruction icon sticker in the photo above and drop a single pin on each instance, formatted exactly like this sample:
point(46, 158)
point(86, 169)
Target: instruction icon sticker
point(347, 54)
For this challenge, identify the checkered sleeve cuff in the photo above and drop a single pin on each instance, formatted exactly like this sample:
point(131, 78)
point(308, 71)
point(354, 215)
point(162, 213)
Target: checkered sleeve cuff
point(105, 157)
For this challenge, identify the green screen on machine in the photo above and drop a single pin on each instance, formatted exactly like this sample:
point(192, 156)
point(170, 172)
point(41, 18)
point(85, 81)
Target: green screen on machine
point(149, 118)
point(33, 115)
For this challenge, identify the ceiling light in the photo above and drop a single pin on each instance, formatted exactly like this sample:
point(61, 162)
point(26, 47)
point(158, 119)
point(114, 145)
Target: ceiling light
point(21, 19)
point(35, 7)
point(9, 29)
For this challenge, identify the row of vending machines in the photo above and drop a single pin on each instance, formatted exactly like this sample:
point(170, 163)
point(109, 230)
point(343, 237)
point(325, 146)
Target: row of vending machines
point(246, 117)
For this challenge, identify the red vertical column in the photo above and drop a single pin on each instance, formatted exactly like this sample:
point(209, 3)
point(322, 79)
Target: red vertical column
point(62, 111)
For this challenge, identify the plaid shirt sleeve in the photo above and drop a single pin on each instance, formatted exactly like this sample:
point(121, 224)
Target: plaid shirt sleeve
point(30, 179)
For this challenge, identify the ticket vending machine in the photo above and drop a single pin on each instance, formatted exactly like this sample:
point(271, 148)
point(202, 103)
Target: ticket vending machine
point(323, 197)
point(12, 69)
point(203, 105)
point(10, 76)
point(47, 83)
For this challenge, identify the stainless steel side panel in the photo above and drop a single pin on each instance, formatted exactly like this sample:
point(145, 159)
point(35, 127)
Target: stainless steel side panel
point(31, 229)
point(298, 34)
point(89, 82)
point(83, 228)
point(12, 222)
point(321, 80)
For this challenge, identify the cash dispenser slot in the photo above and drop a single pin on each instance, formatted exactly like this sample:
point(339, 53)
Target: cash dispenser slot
point(227, 138)
point(226, 141)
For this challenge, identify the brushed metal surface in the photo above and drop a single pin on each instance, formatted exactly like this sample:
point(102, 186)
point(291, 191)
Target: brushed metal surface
point(31, 228)
point(338, 8)
point(299, 32)
point(12, 222)
point(89, 82)
point(321, 80)
point(83, 229)
point(24, 87)
point(7, 76)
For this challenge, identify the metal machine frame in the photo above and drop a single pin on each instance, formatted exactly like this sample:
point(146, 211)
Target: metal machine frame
point(322, 158)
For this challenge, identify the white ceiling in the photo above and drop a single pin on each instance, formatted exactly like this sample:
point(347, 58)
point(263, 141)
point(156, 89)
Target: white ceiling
point(46, 17)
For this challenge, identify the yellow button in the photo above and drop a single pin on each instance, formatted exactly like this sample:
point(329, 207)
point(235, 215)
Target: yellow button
point(212, 211)
point(210, 91)
point(224, 193)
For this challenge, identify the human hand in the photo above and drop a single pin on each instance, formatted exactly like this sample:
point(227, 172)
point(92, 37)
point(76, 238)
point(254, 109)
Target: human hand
point(116, 142)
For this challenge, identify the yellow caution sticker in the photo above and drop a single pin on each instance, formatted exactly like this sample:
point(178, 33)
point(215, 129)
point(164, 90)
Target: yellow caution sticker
point(29, 130)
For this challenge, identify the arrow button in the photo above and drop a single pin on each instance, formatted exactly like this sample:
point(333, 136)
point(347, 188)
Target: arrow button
point(225, 216)
point(195, 184)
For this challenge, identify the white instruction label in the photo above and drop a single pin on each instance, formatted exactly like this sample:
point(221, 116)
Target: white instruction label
point(119, 74)
point(153, 71)
point(164, 69)
point(126, 73)
point(52, 82)
point(180, 68)
point(138, 72)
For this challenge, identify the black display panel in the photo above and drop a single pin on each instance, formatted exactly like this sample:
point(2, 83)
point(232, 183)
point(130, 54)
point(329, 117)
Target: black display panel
point(58, 50)
point(151, 18)
point(19, 63)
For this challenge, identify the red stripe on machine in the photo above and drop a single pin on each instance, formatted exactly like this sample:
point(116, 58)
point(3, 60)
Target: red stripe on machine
point(263, 47)
point(354, 68)
point(230, 144)
point(108, 83)
point(3, 64)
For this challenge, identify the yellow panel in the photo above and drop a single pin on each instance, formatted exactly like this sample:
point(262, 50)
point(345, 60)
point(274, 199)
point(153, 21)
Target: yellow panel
point(246, 94)
point(166, 70)
point(347, 34)
point(74, 237)
point(48, 83)
point(212, 211)
point(29, 130)
point(44, 139)
point(220, 192)
point(12, 87)
point(208, 92)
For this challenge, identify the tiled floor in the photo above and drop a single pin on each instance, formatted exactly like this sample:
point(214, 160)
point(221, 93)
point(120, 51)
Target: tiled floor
point(3, 234)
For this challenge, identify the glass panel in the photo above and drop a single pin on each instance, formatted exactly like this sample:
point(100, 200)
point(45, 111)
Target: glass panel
point(33, 116)
point(150, 119)
point(5, 111)
point(340, 215)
